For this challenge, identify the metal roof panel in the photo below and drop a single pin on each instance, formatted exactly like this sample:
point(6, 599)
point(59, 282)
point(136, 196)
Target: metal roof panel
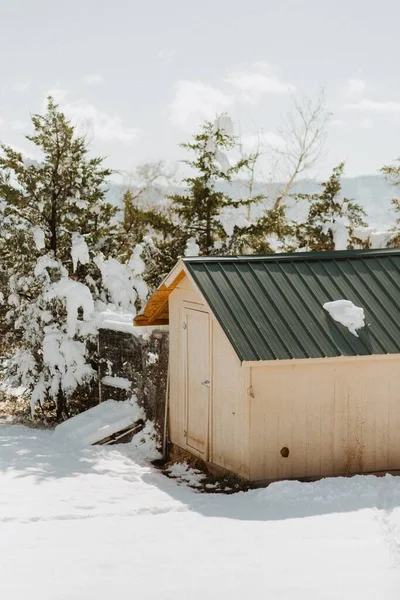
point(271, 307)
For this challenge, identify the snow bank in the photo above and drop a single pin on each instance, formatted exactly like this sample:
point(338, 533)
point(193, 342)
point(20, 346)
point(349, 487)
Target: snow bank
point(144, 443)
point(99, 422)
point(334, 539)
point(346, 313)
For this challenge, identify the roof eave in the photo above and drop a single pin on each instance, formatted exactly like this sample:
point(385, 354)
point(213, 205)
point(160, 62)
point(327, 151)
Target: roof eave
point(154, 312)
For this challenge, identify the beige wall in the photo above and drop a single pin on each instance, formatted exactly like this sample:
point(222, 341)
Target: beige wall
point(228, 440)
point(230, 407)
point(336, 416)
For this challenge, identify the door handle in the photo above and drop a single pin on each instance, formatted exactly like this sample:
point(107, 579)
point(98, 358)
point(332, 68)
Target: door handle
point(206, 383)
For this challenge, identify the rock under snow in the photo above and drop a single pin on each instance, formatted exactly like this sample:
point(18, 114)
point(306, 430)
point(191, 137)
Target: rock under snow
point(346, 313)
point(99, 422)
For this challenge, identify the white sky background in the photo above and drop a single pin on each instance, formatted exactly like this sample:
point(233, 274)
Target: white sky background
point(141, 75)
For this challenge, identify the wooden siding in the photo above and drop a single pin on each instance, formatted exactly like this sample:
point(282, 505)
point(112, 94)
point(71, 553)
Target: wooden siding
point(230, 406)
point(336, 418)
point(229, 402)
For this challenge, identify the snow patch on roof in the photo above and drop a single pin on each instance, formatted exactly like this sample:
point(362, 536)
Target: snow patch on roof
point(346, 313)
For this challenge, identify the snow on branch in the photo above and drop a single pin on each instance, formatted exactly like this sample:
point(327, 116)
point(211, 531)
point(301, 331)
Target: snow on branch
point(76, 296)
point(79, 251)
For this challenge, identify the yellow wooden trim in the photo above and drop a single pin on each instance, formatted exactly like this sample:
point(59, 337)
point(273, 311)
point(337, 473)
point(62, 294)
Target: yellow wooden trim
point(158, 302)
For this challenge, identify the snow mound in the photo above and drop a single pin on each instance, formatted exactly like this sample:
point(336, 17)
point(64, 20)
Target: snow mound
point(346, 313)
point(144, 443)
point(99, 422)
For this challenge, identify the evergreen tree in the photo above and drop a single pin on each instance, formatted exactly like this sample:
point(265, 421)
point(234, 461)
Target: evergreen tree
point(206, 213)
point(392, 174)
point(59, 238)
point(268, 234)
point(331, 220)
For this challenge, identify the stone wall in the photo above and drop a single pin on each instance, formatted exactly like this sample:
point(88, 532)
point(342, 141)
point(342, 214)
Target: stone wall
point(139, 366)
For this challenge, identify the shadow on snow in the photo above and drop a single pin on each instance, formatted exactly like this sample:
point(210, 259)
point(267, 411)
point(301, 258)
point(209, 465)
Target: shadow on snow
point(32, 453)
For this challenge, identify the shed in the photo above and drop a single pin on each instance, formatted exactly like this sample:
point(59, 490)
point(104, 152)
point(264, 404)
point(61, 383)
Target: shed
point(263, 382)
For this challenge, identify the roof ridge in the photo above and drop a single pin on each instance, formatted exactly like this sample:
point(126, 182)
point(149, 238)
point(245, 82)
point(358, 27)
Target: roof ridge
point(297, 256)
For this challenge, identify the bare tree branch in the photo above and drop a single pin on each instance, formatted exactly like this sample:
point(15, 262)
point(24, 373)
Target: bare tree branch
point(304, 132)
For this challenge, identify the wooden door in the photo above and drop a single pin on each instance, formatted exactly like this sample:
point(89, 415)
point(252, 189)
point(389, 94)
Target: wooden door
point(198, 380)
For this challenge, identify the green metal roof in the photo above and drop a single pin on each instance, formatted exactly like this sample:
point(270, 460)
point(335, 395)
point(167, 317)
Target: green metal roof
point(270, 307)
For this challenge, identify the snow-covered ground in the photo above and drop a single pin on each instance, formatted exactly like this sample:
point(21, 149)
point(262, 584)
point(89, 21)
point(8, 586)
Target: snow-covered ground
point(99, 523)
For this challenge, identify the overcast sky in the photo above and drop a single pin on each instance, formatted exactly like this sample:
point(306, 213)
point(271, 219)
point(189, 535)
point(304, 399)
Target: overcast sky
point(141, 75)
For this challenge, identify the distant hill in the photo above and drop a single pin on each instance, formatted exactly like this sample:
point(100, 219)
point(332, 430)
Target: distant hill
point(371, 191)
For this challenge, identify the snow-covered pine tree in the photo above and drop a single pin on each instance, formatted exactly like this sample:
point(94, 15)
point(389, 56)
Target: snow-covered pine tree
point(331, 220)
point(206, 214)
point(59, 272)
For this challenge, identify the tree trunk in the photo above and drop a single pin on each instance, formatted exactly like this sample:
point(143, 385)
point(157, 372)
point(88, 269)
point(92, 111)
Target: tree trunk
point(61, 407)
point(53, 227)
point(208, 230)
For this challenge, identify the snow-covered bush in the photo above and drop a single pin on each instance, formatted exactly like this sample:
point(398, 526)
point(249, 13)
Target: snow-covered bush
point(59, 261)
